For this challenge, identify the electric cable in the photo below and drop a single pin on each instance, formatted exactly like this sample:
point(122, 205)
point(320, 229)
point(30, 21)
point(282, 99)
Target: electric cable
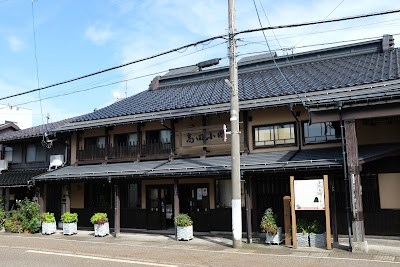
point(273, 59)
point(319, 24)
point(223, 36)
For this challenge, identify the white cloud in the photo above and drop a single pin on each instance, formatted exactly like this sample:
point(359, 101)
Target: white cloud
point(15, 43)
point(99, 34)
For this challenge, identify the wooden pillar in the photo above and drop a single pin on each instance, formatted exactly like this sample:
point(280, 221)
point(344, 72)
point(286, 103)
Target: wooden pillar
point(42, 197)
point(327, 214)
point(286, 219)
point(106, 143)
point(68, 197)
point(355, 184)
point(332, 201)
point(78, 148)
point(248, 211)
point(139, 141)
point(294, 224)
point(245, 131)
point(204, 133)
point(117, 211)
point(7, 199)
point(173, 143)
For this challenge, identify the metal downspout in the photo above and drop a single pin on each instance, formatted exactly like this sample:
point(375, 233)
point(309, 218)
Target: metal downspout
point(346, 178)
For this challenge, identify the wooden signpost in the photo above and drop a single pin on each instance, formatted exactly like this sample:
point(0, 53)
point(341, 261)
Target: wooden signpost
point(311, 195)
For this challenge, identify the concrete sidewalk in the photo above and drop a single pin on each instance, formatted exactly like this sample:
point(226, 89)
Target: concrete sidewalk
point(380, 249)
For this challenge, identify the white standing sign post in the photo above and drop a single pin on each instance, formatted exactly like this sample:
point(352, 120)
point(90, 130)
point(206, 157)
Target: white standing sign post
point(310, 195)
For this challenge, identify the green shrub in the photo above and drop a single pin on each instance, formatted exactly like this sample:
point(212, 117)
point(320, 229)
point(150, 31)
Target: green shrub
point(24, 217)
point(315, 227)
point(302, 226)
point(69, 217)
point(99, 218)
point(48, 217)
point(183, 220)
point(268, 223)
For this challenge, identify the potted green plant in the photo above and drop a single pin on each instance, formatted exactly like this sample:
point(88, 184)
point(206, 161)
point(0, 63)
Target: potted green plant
point(184, 227)
point(273, 233)
point(70, 223)
point(100, 222)
point(48, 223)
point(302, 233)
point(316, 235)
point(2, 214)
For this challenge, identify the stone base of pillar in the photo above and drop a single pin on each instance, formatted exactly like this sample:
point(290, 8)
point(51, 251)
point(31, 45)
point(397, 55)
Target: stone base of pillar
point(360, 246)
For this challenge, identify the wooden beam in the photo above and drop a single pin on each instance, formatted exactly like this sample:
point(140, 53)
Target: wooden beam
point(294, 225)
point(355, 181)
point(248, 211)
point(327, 214)
point(176, 204)
point(286, 219)
point(42, 198)
point(117, 211)
point(68, 197)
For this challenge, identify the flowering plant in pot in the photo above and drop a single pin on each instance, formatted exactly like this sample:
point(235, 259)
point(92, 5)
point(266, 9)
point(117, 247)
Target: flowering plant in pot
point(48, 223)
point(270, 228)
point(101, 225)
point(184, 227)
point(70, 223)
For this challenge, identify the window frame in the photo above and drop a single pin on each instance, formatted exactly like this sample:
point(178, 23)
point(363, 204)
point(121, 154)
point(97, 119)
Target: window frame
point(36, 153)
point(325, 141)
point(292, 123)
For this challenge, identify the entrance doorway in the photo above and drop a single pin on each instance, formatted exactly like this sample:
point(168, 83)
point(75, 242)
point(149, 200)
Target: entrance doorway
point(159, 207)
point(194, 200)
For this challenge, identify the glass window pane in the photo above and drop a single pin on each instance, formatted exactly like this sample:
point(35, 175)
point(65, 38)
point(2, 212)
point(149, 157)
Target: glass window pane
point(225, 194)
point(17, 154)
point(132, 139)
point(133, 196)
point(101, 141)
point(31, 153)
point(8, 153)
point(40, 153)
point(165, 136)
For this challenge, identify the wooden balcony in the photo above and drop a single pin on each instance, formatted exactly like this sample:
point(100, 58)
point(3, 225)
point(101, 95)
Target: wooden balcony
point(124, 152)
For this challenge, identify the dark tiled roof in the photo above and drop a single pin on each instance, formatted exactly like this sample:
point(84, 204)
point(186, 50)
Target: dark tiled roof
point(18, 178)
point(35, 131)
point(312, 76)
point(323, 158)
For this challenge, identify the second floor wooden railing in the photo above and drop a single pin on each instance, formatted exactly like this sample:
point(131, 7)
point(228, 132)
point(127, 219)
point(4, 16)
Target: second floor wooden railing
point(124, 151)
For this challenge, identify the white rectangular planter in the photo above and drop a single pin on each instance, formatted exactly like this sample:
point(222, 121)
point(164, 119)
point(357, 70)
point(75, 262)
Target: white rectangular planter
point(49, 228)
point(302, 240)
point(318, 240)
point(70, 228)
point(274, 239)
point(101, 229)
point(184, 233)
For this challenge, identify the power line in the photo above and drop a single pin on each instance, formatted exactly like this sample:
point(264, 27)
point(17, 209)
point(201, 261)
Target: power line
point(223, 36)
point(320, 21)
point(119, 66)
point(318, 24)
point(36, 60)
point(273, 59)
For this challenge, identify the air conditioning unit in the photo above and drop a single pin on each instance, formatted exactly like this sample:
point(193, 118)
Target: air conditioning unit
point(56, 161)
point(3, 165)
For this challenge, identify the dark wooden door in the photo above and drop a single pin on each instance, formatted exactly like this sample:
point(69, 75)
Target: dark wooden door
point(53, 200)
point(159, 207)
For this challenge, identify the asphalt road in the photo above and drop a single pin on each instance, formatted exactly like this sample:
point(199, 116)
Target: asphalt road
point(43, 251)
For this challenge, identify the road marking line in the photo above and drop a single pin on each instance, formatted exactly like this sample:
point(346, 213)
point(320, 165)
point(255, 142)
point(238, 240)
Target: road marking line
point(205, 250)
point(100, 258)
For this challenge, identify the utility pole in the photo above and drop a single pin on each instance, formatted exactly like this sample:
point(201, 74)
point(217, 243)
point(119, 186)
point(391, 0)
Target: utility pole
point(234, 118)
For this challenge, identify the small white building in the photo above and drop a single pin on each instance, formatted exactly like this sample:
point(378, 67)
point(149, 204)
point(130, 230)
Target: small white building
point(22, 117)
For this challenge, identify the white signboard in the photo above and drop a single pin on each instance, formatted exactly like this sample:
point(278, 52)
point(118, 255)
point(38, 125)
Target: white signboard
point(309, 194)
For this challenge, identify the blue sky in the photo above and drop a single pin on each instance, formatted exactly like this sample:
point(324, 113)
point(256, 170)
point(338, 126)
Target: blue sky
point(74, 38)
